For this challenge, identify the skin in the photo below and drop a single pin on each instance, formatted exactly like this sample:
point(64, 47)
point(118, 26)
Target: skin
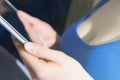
point(42, 62)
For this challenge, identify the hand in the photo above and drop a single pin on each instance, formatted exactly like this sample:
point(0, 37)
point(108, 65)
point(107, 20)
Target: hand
point(38, 31)
point(47, 64)
point(44, 63)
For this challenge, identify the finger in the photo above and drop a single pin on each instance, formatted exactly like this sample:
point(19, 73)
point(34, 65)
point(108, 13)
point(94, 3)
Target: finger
point(25, 19)
point(45, 53)
point(29, 23)
point(25, 16)
point(28, 19)
point(18, 44)
point(32, 62)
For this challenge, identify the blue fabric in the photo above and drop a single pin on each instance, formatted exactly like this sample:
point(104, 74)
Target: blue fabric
point(102, 61)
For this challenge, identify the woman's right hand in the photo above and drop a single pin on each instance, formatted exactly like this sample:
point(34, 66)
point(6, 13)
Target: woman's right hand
point(39, 31)
point(47, 64)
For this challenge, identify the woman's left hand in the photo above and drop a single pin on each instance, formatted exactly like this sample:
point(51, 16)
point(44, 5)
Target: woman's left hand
point(39, 31)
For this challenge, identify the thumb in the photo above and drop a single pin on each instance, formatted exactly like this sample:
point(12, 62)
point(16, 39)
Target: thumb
point(23, 16)
point(26, 18)
point(45, 53)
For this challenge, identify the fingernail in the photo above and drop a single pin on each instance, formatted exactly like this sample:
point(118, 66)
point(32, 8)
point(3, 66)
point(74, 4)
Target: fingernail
point(29, 46)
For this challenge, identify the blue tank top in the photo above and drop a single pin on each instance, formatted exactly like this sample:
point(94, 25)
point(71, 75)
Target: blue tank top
point(102, 61)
